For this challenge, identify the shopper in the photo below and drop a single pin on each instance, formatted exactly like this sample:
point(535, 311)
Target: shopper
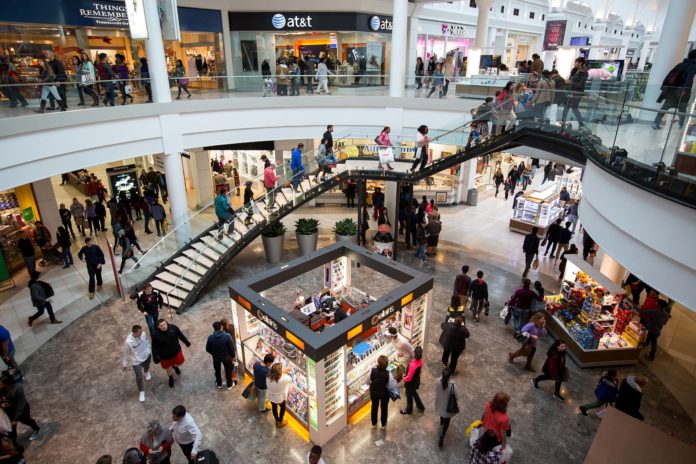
point(63, 240)
point(552, 236)
point(538, 304)
point(379, 379)
point(495, 418)
point(224, 212)
point(93, 256)
point(479, 296)
point(182, 82)
point(100, 211)
point(384, 143)
point(530, 247)
point(92, 218)
point(277, 393)
point(47, 75)
point(261, 371)
point(533, 330)
point(159, 215)
point(420, 71)
point(438, 82)
point(498, 179)
point(421, 242)
point(156, 443)
point(15, 404)
point(229, 329)
point(462, 285)
point(221, 347)
point(149, 303)
point(145, 78)
point(447, 73)
point(186, 433)
point(107, 78)
point(350, 192)
point(328, 135)
point(7, 350)
point(121, 70)
point(41, 293)
point(606, 391)
point(521, 304)
point(553, 368)
point(137, 353)
point(630, 395)
point(248, 203)
point(167, 349)
point(297, 167)
point(26, 248)
point(573, 250)
point(422, 154)
point(587, 245)
point(269, 182)
point(412, 382)
point(432, 232)
point(321, 162)
point(564, 236)
point(77, 210)
point(377, 203)
point(453, 342)
point(11, 452)
point(323, 76)
point(578, 78)
point(314, 455)
point(66, 219)
point(126, 250)
point(484, 451)
point(654, 320)
point(676, 89)
point(10, 77)
point(444, 387)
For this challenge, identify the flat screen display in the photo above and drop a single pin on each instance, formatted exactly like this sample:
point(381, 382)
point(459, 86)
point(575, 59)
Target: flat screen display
point(605, 70)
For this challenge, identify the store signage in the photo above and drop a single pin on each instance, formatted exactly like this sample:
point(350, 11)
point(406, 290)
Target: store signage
point(454, 29)
point(310, 21)
point(260, 315)
point(554, 34)
point(127, 167)
point(106, 13)
point(382, 315)
point(136, 19)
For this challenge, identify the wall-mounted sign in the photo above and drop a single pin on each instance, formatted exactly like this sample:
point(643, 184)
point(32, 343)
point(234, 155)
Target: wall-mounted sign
point(136, 19)
point(105, 13)
point(310, 21)
point(382, 315)
point(454, 29)
point(554, 34)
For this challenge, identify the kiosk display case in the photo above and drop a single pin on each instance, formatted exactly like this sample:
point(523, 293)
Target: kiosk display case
point(540, 209)
point(593, 317)
point(329, 363)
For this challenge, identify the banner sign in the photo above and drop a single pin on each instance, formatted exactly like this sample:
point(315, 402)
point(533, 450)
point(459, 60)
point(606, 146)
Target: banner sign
point(554, 34)
point(310, 21)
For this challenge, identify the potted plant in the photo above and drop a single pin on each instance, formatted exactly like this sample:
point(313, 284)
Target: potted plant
point(307, 233)
point(346, 229)
point(273, 237)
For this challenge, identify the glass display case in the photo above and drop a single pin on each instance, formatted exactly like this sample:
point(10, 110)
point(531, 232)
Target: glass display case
point(540, 209)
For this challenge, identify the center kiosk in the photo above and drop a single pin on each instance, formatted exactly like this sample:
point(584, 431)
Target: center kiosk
point(329, 364)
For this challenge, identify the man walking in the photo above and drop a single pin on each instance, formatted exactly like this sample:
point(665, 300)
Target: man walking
point(77, 210)
point(224, 213)
point(676, 89)
point(66, 219)
point(461, 286)
point(654, 320)
point(564, 236)
point(328, 135)
point(186, 433)
point(26, 248)
point(149, 303)
point(221, 347)
point(159, 215)
point(261, 371)
point(297, 166)
point(93, 256)
point(167, 349)
point(41, 292)
point(530, 247)
point(453, 342)
point(479, 296)
point(137, 354)
point(552, 235)
point(15, 404)
point(7, 349)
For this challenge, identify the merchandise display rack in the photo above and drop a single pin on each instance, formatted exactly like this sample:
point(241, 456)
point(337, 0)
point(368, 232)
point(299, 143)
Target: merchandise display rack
point(329, 368)
point(593, 317)
point(538, 209)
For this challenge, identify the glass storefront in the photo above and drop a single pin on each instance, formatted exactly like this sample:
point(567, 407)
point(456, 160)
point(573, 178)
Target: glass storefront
point(441, 46)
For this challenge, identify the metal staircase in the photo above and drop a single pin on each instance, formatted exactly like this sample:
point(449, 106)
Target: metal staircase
point(184, 275)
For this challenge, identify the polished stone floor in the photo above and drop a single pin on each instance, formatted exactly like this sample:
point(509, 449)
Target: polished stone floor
point(88, 407)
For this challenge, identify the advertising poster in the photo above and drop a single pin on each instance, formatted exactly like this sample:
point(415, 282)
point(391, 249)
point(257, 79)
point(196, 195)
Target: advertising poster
point(554, 34)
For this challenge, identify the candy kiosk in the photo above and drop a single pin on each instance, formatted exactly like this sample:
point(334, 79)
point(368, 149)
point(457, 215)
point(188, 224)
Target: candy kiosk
point(329, 362)
point(593, 318)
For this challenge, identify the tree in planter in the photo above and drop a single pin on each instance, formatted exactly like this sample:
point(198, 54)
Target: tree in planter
point(346, 228)
point(307, 233)
point(273, 237)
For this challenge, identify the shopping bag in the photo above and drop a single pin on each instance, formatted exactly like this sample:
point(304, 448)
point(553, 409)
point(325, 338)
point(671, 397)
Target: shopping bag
point(505, 312)
point(386, 155)
point(535, 263)
point(505, 454)
point(474, 425)
point(330, 160)
point(474, 434)
point(128, 89)
point(249, 392)
point(452, 406)
point(164, 225)
point(393, 388)
point(184, 81)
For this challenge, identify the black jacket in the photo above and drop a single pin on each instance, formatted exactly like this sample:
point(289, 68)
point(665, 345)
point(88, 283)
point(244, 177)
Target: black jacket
point(63, 238)
point(553, 232)
point(339, 315)
point(26, 247)
point(100, 209)
point(58, 70)
point(379, 378)
point(65, 215)
point(220, 346)
point(166, 344)
point(453, 338)
point(92, 254)
point(13, 401)
point(479, 289)
point(531, 243)
point(564, 235)
point(629, 398)
point(151, 303)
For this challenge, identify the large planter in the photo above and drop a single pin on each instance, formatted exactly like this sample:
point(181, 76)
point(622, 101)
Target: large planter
point(307, 243)
point(273, 246)
point(347, 238)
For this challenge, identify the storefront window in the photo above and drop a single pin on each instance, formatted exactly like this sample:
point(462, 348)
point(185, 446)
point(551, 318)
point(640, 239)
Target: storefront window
point(202, 55)
point(440, 46)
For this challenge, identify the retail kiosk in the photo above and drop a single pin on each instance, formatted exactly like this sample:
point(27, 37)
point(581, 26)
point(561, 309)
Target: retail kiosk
point(537, 209)
point(593, 317)
point(329, 364)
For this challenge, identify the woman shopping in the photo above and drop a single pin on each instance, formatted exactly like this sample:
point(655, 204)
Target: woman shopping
point(530, 333)
point(182, 82)
point(554, 368)
point(88, 76)
point(48, 77)
point(422, 149)
point(379, 379)
point(386, 153)
point(444, 387)
point(277, 393)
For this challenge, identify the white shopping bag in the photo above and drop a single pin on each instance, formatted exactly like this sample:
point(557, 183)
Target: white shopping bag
point(386, 155)
point(505, 455)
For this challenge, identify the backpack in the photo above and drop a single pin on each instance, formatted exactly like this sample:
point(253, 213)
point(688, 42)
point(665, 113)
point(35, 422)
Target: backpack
point(48, 290)
point(207, 457)
point(377, 140)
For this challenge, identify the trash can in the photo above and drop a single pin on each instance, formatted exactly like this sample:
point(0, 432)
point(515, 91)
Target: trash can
point(472, 197)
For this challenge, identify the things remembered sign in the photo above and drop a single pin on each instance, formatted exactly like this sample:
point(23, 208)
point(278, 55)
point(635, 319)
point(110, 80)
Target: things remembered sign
point(105, 13)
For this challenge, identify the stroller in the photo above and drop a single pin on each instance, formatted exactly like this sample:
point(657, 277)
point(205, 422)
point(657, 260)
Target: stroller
point(51, 254)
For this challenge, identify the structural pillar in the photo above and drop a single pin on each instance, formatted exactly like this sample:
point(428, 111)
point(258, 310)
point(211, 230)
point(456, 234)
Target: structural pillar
point(481, 42)
point(467, 180)
point(397, 75)
point(201, 178)
point(671, 48)
point(47, 204)
point(154, 46)
point(612, 269)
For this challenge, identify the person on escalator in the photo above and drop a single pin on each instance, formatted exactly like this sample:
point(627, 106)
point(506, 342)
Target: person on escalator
point(422, 149)
point(224, 213)
point(248, 202)
point(578, 78)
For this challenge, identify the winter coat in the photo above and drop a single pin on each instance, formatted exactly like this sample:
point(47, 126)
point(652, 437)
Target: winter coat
point(453, 338)
point(220, 346)
point(531, 244)
point(442, 398)
point(379, 378)
point(554, 365)
point(166, 344)
point(92, 254)
point(630, 396)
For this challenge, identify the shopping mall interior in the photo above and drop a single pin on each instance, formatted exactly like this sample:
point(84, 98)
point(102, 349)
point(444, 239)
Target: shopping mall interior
point(547, 145)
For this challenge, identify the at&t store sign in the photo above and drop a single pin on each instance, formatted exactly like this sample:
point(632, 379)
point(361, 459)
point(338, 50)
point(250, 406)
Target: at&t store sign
point(279, 21)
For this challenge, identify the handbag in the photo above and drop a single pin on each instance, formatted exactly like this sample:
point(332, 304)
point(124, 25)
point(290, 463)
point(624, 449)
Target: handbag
point(128, 89)
point(535, 263)
point(184, 81)
point(506, 313)
point(452, 406)
point(543, 242)
point(249, 392)
point(393, 388)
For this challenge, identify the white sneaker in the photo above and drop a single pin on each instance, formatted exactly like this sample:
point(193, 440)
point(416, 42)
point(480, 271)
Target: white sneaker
point(141, 397)
point(148, 376)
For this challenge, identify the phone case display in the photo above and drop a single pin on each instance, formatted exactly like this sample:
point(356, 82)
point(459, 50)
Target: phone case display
point(361, 359)
point(416, 322)
point(572, 185)
point(334, 388)
point(336, 274)
point(592, 311)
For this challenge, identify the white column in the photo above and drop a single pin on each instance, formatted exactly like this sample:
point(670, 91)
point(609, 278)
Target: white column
point(644, 55)
point(412, 52)
point(612, 269)
point(201, 178)
point(154, 47)
point(398, 49)
point(391, 202)
point(174, 171)
point(467, 180)
point(671, 47)
point(481, 41)
point(227, 48)
point(47, 204)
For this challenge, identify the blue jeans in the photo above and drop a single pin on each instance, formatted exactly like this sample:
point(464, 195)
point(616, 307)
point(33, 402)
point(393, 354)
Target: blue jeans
point(110, 93)
point(520, 317)
point(229, 219)
point(150, 320)
point(67, 256)
point(309, 84)
point(420, 253)
point(297, 175)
